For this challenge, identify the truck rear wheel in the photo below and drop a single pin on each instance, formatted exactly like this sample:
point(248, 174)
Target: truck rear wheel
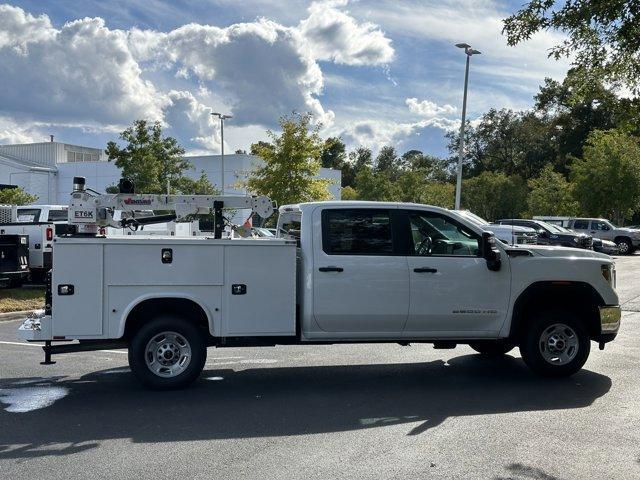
point(556, 344)
point(167, 353)
point(492, 347)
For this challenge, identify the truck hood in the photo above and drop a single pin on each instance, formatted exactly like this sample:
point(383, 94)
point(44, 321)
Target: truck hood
point(556, 251)
point(507, 228)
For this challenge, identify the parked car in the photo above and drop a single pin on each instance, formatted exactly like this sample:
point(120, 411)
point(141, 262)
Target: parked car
point(511, 235)
point(549, 234)
point(627, 239)
point(605, 246)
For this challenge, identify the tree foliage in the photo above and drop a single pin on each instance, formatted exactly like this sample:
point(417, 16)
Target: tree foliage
point(551, 194)
point(151, 160)
point(601, 36)
point(607, 178)
point(16, 196)
point(290, 163)
point(494, 195)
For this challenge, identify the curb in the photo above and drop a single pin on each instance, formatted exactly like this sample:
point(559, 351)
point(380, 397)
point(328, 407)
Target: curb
point(11, 316)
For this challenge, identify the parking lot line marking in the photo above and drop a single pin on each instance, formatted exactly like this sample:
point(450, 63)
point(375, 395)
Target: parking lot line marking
point(24, 344)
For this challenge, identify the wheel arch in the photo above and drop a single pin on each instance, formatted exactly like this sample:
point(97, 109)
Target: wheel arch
point(145, 308)
point(576, 296)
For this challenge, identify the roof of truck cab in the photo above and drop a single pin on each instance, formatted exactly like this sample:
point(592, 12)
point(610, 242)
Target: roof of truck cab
point(365, 204)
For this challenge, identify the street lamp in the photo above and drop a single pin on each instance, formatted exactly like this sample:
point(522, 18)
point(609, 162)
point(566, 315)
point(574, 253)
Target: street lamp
point(468, 52)
point(222, 118)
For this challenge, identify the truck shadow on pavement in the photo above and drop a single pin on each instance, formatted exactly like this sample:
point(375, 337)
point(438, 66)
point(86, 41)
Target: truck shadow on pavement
point(270, 401)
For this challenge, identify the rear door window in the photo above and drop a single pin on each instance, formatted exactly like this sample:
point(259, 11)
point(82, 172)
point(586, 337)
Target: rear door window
point(357, 232)
point(581, 224)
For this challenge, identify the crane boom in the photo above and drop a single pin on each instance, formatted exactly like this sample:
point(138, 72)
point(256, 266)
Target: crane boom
point(90, 211)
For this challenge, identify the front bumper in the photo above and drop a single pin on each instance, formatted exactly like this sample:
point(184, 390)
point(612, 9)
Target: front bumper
point(36, 327)
point(609, 322)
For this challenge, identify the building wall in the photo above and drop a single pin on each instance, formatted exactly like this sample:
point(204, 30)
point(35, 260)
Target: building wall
point(38, 181)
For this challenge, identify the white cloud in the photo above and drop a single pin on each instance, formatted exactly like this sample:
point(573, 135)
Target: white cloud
point(375, 134)
point(191, 121)
point(82, 72)
point(12, 132)
point(477, 22)
point(262, 68)
point(335, 35)
point(429, 109)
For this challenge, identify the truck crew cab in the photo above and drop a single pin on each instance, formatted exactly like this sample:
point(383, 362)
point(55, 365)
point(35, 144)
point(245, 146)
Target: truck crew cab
point(346, 272)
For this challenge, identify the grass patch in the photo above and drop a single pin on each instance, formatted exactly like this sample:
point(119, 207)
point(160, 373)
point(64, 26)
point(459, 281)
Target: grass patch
point(17, 299)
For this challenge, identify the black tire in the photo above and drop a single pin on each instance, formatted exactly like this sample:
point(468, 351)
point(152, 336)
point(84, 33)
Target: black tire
point(492, 347)
point(551, 323)
point(625, 247)
point(187, 332)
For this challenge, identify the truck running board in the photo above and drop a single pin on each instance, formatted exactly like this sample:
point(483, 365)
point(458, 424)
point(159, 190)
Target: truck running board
point(50, 349)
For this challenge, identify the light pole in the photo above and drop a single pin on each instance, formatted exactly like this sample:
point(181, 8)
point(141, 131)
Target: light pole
point(222, 118)
point(468, 52)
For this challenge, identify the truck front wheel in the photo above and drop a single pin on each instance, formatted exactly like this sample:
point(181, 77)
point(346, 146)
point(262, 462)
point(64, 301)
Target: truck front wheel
point(556, 344)
point(167, 353)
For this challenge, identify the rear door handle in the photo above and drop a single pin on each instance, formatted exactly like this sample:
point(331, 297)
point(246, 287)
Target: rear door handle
point(425, 270)
point(331, 269)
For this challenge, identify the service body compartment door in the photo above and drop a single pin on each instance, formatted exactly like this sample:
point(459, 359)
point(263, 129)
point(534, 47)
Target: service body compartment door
point(260, 289)
point(80, 266)
point(360, 280)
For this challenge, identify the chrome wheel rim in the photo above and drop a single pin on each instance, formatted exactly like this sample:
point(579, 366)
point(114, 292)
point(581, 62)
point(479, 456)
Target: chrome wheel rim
point(623, 247)
point(168, 354)
point(559, 344)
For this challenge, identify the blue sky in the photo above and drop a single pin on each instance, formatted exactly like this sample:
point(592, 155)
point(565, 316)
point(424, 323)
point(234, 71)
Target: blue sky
point(373, 72)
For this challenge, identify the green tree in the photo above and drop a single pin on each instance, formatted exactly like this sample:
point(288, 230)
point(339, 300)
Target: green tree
point(387, 162)
point(290, 164)
point(494, 195)
point(607, 178)
point(551, 194)
point(349, 193)
point(16, 196)
point(374, 186)
point(505, 141)
point(151, 160)
point(601, 36)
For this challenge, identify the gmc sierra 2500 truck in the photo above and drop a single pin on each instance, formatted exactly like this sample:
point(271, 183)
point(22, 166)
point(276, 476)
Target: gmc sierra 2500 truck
point(349, 272)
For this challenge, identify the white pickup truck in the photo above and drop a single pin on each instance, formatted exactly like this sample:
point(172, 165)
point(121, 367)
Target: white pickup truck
point(348, 272)
point(41, 223)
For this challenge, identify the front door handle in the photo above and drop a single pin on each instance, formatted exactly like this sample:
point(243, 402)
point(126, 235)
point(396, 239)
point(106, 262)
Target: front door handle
point(425, 270)
point(331, 269)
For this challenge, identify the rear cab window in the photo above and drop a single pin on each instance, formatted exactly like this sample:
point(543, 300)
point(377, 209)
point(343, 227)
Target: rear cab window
point(58, 216)
point(28, 215)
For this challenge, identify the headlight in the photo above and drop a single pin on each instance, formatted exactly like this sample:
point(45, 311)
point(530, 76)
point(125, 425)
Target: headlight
point(608, 272)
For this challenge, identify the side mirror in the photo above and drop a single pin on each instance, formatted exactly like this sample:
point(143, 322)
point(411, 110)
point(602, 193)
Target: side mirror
point(542, 233)
point(490, 252)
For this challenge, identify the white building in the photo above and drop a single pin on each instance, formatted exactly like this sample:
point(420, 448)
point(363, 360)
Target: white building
point(47, 170)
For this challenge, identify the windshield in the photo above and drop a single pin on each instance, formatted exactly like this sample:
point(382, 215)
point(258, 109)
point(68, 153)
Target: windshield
point(551, 227)
point(474, 218)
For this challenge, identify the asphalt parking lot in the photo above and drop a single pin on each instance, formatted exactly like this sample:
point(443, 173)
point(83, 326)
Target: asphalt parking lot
point(363, 411)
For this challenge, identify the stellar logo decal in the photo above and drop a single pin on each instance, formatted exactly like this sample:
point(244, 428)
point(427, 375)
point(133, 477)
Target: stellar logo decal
point(140, 201)
point(475, 311)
